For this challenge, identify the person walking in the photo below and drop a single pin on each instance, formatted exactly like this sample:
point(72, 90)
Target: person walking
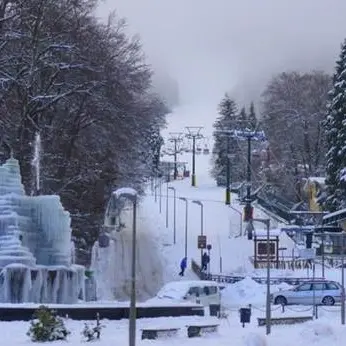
point(205, 261)
point(183, 265)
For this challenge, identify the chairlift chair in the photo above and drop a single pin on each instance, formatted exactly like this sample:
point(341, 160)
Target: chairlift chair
point(198, 150)
point(206, 150)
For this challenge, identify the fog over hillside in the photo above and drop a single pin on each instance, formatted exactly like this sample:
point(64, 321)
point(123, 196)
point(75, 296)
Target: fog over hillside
point(213, 46)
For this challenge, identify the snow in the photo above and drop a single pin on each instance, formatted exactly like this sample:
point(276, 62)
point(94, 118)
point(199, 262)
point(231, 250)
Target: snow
point(128, 191)
point(158, 263)
point(320, 332)
point(272, 232)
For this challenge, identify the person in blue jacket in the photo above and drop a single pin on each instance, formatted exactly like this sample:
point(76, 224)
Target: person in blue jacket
point(183, 265)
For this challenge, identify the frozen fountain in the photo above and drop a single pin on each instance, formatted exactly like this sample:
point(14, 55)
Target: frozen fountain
point(36, 260)
point(111, 256)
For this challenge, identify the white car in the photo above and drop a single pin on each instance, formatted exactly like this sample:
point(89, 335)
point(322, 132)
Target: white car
point(309, 293)
point(202, 292)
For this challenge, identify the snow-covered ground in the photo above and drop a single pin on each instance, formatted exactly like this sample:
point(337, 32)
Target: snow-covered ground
point(158, 262)
point(321, 332)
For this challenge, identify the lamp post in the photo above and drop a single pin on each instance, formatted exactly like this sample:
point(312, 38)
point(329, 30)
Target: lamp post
point(160, 197)
point(194, 133)
point(174, 213)
point(241, 221)
point(268, 311)
point(186, 220)
point(202, 228)
point(343, 278)
point(131, 194)
point(167, 202)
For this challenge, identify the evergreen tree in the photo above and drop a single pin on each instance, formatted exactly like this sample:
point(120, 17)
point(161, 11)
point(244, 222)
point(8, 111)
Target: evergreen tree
point(242, 118)
point(224, 144)
point(335, 127)
point(252, 119)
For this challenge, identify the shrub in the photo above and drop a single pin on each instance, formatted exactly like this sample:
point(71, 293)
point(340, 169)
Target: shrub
point(47, 326)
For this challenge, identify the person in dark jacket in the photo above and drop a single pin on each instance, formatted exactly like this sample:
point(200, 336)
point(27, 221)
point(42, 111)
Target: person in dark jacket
point(205, 261)
point(183, 265)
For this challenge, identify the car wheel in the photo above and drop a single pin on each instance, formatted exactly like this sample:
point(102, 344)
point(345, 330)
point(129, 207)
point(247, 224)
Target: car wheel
point(328, 300)
point(280, 300)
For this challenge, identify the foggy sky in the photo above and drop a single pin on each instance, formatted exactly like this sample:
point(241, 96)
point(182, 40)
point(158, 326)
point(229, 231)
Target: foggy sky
point(212, 47)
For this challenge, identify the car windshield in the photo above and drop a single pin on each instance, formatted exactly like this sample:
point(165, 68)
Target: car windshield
point(172, 292)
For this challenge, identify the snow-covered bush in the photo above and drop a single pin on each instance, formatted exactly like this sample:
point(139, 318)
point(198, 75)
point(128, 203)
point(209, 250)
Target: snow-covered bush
point(47, 326)
point(254, 339)
point(317, 330)
point(92, 333)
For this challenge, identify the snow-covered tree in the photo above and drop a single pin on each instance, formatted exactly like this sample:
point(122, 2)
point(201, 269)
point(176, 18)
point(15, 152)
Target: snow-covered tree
point(225, 144)
point(335, 127)
point(85, 86)
point(294, 106)
point(252, 119)
point(242, 118)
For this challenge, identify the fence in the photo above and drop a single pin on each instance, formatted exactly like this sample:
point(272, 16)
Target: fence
point(231, 279)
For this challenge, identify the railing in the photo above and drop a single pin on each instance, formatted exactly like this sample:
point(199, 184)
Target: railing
point(231, 279)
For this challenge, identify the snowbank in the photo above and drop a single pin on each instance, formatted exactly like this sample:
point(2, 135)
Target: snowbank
point(247, 291)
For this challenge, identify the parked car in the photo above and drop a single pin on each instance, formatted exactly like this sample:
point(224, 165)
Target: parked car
point(202, 291)
point(309, 293)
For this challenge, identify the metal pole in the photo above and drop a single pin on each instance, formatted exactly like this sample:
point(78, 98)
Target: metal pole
point(268, 311)
point(313, 291)
point(323, 255)
point(174, 217)
point(248, 188)
point(175, 159)
point(167, 202)
point(201, 231)
point(343, 280)
point(186, 225)
point(160, 191)
point(193, 176)
point(228, 189)
point(132, 322)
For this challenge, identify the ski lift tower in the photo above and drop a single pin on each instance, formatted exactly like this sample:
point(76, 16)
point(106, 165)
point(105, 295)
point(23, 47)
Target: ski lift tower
point(194, 132)
point(249, 136)
point(176, 138)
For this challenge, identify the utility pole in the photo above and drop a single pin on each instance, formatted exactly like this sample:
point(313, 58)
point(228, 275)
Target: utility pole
point(249, 136)
point(194, 134)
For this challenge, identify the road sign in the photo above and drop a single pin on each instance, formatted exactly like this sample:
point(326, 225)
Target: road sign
point(202, 241)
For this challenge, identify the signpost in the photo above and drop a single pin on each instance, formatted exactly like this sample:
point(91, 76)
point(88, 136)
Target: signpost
point(202, 242)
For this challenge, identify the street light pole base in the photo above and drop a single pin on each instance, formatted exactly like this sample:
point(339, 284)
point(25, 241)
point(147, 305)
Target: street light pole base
point(193, 180)
point(228, 196)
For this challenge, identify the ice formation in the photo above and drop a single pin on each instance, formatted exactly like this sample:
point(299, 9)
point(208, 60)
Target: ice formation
point(36, 260)
point(111, 255)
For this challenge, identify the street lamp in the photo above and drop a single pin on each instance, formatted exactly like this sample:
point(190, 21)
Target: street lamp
point(268, 311)
point(174, 212)
point(194, 133)
point(343, 278)
point(131, 194)
point(241, 221)
point(167, 201)
point(186, 219)
point(201, 205)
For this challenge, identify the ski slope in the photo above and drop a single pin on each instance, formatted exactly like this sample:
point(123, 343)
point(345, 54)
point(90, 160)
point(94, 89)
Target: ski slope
point(222, 224)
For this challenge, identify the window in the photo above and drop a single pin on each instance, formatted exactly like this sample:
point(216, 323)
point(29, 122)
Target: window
point(319, 286)
point(206, 290)
point(212, 289)
point(194, 291)
point(304, 287)
point(331, 286)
